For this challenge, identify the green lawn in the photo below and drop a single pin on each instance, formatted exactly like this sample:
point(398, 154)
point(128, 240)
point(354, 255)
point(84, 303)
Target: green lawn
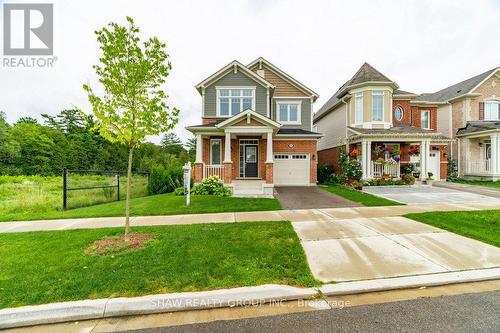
point(363, 198)
point(50, 266)
point(481, 225)
point(163, 204)
point(487, 183)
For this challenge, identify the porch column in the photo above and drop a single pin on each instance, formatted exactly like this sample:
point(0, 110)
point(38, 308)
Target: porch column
point(228, 164)
point(369, 159)
point(424, 159)
point(364, 160)
point(495, 154)
point(269, 158)
point(198, 164)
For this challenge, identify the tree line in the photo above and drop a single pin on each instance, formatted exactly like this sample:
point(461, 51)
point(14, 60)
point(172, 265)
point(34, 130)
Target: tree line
point(72, 139)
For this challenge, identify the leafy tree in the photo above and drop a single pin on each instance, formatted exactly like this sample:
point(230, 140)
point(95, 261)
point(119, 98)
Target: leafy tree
point(9, 148)
point(172, 144)
point(191, 148)
point(133, 105)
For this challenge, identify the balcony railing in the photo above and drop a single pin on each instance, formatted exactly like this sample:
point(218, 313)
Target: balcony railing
point(213, 170)
point(390, 169)
point(481, 166)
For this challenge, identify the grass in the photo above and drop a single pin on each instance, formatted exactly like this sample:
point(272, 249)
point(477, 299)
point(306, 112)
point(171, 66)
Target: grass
point(38, 194)
point(486, 183)
point(51, 266)
point(162, 204)
point(481, 225)
point(363, 198)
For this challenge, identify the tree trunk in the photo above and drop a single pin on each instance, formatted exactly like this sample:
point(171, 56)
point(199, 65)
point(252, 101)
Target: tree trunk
point(127, 198)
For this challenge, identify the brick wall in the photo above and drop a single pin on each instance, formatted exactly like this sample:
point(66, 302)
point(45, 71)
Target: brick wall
point(405, 105)
point(329, 156)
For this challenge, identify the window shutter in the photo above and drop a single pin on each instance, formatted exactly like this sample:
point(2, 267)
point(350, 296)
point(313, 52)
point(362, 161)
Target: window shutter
point(481, 110)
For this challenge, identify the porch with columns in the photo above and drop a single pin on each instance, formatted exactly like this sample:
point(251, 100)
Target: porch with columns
point(479, 156)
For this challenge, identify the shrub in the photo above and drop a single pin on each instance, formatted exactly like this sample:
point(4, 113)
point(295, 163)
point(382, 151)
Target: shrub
point(165, 179)
point(325, 174)
point(408, 179)
point(351, 168)
point(211, 186)
point(179, 191)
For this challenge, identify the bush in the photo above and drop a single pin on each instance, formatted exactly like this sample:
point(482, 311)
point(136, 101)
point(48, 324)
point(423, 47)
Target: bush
point(408, 179)
point(211, 186)
point(165, 179)
point(350, 167)
point(325, 174)
point(179, 191)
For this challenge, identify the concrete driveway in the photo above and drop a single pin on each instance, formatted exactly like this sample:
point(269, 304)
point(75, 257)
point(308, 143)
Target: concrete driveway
point(307, 197)
point(427, 194)
point(383, 247)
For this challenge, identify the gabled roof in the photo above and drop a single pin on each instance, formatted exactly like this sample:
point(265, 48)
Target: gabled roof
point(459, 89)
point(248, 113)
point(231, 66)
point(365, 74)
point(285, 76)
point(479, 126)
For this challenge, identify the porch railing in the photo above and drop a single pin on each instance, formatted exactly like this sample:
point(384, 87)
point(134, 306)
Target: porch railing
point(481, 166)
point(380, 169)
point(213, 170)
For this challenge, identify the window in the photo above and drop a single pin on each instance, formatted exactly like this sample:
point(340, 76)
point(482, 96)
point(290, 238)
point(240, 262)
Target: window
point(215, 151)
point(358, 108)
point(288, 112)
point(398, 113)
point(425, 119)
point(233, 101)
point(378, 106)
point(492, 110)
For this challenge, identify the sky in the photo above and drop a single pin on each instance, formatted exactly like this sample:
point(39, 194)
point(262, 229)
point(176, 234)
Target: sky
point(422, 45)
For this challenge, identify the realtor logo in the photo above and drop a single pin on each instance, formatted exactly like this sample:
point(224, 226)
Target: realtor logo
point(28, 29)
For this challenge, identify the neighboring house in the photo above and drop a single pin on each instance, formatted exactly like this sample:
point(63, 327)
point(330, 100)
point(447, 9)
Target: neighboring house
point(470, 112)
point(384, 127)
point(256, 129)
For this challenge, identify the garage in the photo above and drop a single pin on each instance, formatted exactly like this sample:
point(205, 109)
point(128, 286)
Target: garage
point(291, 169)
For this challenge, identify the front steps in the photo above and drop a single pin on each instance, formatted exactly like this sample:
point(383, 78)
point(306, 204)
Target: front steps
point(251, 189)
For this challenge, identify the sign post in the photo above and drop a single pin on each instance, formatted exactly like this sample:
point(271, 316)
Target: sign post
point(187, 182)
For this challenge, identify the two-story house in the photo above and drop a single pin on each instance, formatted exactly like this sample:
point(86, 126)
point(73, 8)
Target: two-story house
point(256, 129)
point(384, 127)
point(469, 112)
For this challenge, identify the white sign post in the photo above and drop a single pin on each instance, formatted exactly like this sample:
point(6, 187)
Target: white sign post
point(187, 182)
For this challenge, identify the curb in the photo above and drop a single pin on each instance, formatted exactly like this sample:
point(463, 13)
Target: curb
point(244, 296)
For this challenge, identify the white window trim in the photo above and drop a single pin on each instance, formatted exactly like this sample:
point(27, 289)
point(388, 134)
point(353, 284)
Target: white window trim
point(378, 93)
point(356, 96)
point(492, 101)
point(299, 112)
point(220, 151)
point(217, 104)
point(402, 113)
point(428, 119)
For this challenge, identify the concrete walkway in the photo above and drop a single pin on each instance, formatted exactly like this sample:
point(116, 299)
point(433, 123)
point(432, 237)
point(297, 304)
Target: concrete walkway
point(304, 215)
point(307, 197)
point(476, 189)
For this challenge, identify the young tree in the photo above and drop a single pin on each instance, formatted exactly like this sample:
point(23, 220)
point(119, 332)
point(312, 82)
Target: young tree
point(134, 104)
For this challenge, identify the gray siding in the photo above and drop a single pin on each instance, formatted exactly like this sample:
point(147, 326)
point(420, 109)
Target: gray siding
point(232, 79)
point(305, 113)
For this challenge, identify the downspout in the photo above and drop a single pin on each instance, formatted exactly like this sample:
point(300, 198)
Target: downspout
point(346, 121)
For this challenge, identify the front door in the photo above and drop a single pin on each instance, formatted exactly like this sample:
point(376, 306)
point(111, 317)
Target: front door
point(251, 161)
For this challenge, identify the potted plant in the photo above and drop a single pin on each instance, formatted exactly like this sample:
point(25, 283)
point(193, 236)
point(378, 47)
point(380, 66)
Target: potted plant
point(429, 179)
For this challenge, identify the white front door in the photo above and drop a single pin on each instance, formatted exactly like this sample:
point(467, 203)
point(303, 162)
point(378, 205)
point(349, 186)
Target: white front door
point(434, 164)
point(291, 169)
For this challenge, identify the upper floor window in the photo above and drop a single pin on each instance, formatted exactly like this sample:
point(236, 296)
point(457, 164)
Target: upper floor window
point(231, 101)
point(425, 119)
point(358, 108)
point(289, 112)
point(378, 106)
point(398, 113)
point(492, 110)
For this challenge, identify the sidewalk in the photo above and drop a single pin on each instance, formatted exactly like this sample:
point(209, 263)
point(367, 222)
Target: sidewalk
point(304, 215)
point(477, 189)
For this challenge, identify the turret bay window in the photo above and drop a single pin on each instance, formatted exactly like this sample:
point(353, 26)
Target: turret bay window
point(231, 101)
point(378, 106)
point(492, 110)
point(358, 107)
point(289, 112)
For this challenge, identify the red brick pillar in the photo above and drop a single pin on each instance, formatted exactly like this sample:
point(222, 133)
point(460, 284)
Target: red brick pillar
point(269, 173)
point(228, 172)
point(198, 172)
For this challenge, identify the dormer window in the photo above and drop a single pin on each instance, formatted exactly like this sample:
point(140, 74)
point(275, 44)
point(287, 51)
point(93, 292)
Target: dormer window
point(492, 110)
point(231, 101)
point(378, 106)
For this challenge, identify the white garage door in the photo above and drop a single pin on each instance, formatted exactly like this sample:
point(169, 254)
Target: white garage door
point(434, 164)
point(291, 169)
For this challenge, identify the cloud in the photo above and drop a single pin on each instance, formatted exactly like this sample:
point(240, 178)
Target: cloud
point(422, 45)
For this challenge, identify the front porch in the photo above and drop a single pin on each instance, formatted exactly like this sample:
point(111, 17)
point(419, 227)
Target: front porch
point(479, 157)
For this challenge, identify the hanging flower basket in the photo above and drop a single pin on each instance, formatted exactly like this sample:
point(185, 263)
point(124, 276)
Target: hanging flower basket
point(414, 150)
point(355, 152)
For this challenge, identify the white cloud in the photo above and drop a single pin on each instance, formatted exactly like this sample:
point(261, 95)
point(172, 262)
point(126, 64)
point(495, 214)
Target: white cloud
point(422, 45)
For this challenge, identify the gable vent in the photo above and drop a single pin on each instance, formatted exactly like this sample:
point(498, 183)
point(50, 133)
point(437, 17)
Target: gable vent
point(261, 73)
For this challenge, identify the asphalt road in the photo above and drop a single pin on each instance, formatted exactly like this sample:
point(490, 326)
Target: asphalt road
point(479, 312)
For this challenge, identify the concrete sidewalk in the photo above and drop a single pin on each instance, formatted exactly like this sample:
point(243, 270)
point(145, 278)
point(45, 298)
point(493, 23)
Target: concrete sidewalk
point(303, 215)
point(476, 189)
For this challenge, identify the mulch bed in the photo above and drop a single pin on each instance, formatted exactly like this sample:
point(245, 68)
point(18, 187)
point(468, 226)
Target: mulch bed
point(117, 244)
